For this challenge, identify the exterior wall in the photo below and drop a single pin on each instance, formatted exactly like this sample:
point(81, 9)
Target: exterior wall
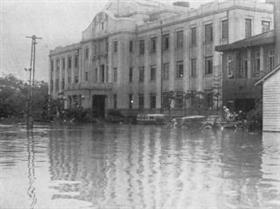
point(243, 87)
point(271, 103)
point(105, 30)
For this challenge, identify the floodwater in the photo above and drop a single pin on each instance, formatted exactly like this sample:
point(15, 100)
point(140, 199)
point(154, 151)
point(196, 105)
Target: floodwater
point(138, 167)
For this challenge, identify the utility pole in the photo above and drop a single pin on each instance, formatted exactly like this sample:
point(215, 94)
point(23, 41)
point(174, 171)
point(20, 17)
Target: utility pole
point(31, 69)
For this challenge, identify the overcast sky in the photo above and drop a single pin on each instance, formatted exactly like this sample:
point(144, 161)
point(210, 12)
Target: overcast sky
point(58, 22)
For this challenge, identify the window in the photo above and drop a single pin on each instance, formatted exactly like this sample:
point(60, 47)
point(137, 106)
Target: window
point(52, 65)
point(248, 28)
point(56, 84)
point(107, 73)
point(130, 46)
point(153, 45)
point(57, 65)
point(63, 84)
point(102, 73)
point(208, 65)
point(130, 101)
point(271, 60)
point(153, 73)
point(244, 68)
point(63, 63)
point(141, 74)
point(76, 61)
point(193, 36)
point(76, 79)
point(257, 63)
point(179, 70)
point(115, 74)
point(141, 47)
point(96, 75)
point(165, 42)
point(86, 53)
point(153, 101)
point(69, 79)
point(229, 67)
point(86, 76)
point(193, 67)
point(225, 29)
point(69, 62)
point(265, 26)
point(242, 65)
point(141, 101)
point(115, 101)
point(165, 100)
point(209, 99)
point(165, 73)
point(130, 74)
point(115, 45)
point(179, 100)
point(209, 33)
point(179, 39)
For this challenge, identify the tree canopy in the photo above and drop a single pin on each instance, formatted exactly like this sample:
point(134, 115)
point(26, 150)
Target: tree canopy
point(13, 96)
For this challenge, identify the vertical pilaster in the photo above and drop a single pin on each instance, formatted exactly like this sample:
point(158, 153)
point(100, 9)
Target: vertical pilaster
point(159, 81)
point(54, 77)
point(60, 75)
point(172, 63)
point(72, 56)
point(249, 57)
point(200, 58)
point(186, 58)
point(262, 68)
point(146, 76)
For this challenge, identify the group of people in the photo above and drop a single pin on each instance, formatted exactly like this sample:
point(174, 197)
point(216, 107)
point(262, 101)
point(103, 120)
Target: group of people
point(233, 116)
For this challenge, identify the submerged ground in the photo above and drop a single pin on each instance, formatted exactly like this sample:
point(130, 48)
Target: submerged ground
point(152, 167)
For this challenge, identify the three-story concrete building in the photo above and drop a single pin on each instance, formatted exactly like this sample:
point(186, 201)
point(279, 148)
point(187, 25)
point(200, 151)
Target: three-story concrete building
point(134, 52)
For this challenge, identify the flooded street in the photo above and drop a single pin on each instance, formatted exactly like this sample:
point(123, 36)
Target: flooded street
point(138, 167)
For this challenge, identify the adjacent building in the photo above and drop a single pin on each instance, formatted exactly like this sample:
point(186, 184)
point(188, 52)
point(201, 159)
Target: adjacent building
point(134, 52)
point(244, 63)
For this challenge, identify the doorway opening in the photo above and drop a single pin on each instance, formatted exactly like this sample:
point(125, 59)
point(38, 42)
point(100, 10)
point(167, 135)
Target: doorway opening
point(98, 106)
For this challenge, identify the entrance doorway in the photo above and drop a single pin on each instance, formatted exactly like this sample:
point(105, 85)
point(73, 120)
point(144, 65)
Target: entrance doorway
point(98, 105)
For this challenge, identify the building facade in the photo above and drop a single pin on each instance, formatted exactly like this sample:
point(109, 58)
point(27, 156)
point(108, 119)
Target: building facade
point(134, 53)
point(244, 63)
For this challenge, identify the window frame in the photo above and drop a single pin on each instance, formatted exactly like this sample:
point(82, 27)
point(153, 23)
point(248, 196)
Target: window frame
point(179, 70)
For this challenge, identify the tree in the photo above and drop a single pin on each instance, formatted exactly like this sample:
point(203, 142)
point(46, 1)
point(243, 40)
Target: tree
point(13, 97)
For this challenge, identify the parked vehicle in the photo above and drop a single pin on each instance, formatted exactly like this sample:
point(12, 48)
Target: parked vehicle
point(193, 121)
point(156, 119)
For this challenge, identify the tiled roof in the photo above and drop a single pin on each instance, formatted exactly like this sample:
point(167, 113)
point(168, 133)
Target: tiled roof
point(257, 40)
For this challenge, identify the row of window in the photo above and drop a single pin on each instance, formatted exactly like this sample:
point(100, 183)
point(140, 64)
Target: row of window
point(153, 101)
point(208, 38)
point(63, 63)
point(242, 66)
point(178, 100)
point(165, 70)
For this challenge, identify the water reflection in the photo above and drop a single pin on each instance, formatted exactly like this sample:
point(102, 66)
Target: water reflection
point(147, 167)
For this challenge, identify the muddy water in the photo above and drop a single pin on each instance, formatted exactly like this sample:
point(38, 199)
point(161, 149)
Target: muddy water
point(145, 167)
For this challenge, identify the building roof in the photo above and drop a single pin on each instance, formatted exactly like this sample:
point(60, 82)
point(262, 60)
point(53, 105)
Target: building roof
point(268, 75)
point(257, 40)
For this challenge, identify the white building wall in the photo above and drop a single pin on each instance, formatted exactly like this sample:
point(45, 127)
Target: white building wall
point(271, 103)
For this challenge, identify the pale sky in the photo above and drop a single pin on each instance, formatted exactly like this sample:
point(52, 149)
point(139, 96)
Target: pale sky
point(58, 22)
